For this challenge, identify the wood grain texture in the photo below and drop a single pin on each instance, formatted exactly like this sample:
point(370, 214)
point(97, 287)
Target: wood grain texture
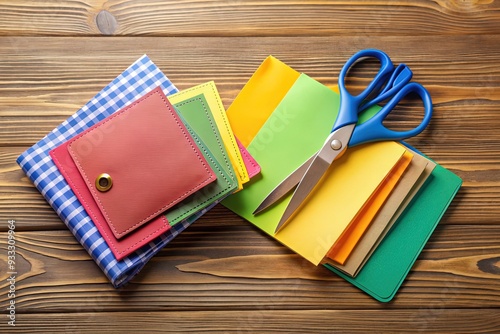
point(223, 275)
point(263, 320)
point(252, 18)
point(43, 82)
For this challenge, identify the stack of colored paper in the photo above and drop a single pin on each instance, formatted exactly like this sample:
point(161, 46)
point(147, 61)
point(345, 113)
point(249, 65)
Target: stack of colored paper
point(374, 210)
point(133, 168)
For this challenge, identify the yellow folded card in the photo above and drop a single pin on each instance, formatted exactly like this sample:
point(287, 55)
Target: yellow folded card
point(338, 199)
point(351, 236)
point(259, 97)
point(406, 188)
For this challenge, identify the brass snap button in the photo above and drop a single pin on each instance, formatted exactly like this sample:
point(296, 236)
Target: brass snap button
point(103, 182)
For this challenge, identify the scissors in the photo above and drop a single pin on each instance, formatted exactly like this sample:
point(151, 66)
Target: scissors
point(390, 84)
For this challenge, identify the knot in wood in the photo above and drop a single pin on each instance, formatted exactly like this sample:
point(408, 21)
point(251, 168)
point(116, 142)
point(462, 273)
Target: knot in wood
point(106, 22)
point(491, 266)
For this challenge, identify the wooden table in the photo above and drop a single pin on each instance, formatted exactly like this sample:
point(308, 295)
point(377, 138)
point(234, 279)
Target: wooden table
point(55, 55)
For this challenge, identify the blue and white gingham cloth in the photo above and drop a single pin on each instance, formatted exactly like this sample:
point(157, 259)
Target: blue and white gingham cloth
point(140, 78)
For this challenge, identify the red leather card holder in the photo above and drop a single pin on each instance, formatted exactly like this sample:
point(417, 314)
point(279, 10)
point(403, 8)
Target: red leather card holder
point(130, 168)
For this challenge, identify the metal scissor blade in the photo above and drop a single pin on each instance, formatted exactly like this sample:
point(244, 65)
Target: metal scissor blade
point(314, 174)
point(318, 167)
point(285, 186)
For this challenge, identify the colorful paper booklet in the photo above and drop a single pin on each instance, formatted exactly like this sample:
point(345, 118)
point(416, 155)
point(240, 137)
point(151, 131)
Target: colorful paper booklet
point(365, 209)
point(408, 186)
point(392, 259)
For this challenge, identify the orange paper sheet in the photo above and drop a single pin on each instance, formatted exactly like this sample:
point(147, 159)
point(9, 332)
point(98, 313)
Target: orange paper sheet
point(270, 83)
point(346, 243)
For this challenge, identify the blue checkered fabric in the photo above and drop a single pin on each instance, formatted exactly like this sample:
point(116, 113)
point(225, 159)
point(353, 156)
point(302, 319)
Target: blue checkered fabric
point(140, 78)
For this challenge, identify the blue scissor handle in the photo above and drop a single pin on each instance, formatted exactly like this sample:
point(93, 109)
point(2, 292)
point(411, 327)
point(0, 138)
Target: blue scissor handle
point(374, 130)
point(399, 78)
point(350, 104)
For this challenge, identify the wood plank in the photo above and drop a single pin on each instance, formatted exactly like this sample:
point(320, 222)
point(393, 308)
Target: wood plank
point(214, 266)
point(43, 83)
point(432, 318)
point(19, 199)
point(249, 18)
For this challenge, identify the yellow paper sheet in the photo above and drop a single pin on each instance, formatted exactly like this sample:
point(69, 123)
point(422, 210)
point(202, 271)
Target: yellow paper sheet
point(209, 90)
point(259, 97)
point(346, 243)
